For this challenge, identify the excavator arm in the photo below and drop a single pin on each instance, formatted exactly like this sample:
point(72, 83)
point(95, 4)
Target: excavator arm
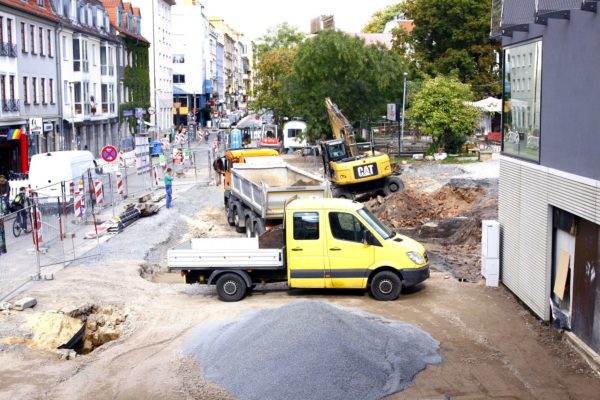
point(341, 127)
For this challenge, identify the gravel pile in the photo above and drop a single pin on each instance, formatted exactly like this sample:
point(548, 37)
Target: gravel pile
point(311, 350)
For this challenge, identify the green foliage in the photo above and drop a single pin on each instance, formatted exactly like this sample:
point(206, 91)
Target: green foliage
point(360, 79)
point(272, 73)
point(452, 37)
point(282, 36)
point(380, 18)
point(438, 110)
point(137, 80)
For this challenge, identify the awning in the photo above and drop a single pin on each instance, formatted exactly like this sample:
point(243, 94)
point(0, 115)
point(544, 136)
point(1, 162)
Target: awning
point(179, 91)
point(490, 104)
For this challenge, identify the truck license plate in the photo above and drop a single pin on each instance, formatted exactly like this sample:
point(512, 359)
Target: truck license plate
point(364, 171)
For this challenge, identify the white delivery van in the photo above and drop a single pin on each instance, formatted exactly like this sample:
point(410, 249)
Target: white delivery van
point(293, 135)
point(48, 170)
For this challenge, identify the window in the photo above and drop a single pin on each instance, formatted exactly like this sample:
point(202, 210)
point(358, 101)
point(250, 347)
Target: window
point(3, 87)
point(306, 226)
point(23, 37)
point(376, 224)
point(346, 227)
point(78, 104)
point(293, 133)
point(111, 68)
point(41, 31)
point(522, 98)
point(104, 98)
point(111, 98)
point(178, 59)
point(76, 55)
point(1, 30)
point(178, 78)
point(34, 90)
point(93, 54)
point(49, 37)
point(64, 47)
point(43, 90)
point(51, 90)
point(84, 54)
point(32, 38)
point(86, 94)
point(9, 38)
point(25, 90)
point(11, 85)
point(40, 3)
point(103, 60)
point(66, 94)
point(120, 17)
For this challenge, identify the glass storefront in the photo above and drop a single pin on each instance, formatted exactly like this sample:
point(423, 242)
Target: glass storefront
point(522, 98)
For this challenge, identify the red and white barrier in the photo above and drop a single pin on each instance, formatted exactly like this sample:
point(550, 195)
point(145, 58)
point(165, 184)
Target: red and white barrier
point(120, 187)
point(37, 228)
point(99, 193)
point(79, 205)
point(72, 189)
point(121, 159)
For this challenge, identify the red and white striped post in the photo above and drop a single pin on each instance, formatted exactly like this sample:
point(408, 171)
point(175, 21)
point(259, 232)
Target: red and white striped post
point(121, 159)
point(99, 193)
point(120, 187)
point(79, 205)
point(36, 230)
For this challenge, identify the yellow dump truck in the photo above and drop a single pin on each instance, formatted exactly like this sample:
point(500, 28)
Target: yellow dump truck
point(325, 243)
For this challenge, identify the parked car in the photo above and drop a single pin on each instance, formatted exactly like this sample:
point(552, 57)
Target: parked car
point(224, 123)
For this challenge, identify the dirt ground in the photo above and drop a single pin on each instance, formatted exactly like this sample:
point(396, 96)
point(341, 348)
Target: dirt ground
point(492, 347)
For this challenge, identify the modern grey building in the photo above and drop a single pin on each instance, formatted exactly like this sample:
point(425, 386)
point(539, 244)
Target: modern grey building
point(549, 199)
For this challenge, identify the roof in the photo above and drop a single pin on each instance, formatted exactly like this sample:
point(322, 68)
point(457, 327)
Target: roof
point(317, 203)
point(405, 24)
point(32, 7)
point(111, 7)
point(385, 39)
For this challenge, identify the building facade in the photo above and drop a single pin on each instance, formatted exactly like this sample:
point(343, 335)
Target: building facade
point(157, 28)
point(29, 111)
point(88, 51)
point(549, 198)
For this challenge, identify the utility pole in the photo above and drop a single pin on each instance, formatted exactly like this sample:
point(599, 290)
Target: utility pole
point(73, 138)
point(400, 149)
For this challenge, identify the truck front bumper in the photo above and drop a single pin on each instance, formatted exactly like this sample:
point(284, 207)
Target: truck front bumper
point(414, 276)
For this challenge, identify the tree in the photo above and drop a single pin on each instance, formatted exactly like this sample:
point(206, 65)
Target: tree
point(439, 110)
point(271, 76)
point(282, 36)
point(452, 37)
point(360, 79)
point(380, 18)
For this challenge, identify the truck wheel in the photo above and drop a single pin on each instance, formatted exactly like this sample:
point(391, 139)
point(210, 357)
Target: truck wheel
point(258, 229)
point(238, 221)
point(386, 286)
point(229, 213)
point(392, 184)
point(249, 230)
point(231, 287)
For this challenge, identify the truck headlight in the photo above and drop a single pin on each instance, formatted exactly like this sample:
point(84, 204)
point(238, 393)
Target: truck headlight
point(416, 257)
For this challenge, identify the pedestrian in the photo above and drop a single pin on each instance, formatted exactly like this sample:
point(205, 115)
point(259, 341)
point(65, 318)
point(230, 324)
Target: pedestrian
point(4, 190)
point(3, 211)
point(18, 205)
point(219, 170)
point(169, 186)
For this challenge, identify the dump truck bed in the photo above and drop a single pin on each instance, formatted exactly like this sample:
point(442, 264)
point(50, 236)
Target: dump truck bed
point(266, 186)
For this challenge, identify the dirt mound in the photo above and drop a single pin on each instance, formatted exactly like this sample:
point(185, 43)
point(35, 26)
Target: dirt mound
point(411, 208)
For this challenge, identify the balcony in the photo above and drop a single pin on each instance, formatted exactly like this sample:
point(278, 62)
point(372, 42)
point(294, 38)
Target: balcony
point(11, 105)
point(8, 50)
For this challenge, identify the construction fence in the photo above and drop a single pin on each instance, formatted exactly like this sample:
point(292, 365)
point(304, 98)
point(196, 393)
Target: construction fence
point(64, 221)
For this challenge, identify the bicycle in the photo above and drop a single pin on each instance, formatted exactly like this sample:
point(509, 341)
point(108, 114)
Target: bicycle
point(18, 228)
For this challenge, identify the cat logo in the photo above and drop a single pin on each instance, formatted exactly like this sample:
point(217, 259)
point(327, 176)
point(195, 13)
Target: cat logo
point(365, 171)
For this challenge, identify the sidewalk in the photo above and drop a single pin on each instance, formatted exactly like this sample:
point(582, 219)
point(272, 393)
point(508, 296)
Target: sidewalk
point(20, 264)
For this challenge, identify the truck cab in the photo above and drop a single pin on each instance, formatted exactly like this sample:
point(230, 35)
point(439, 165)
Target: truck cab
point(337, 243)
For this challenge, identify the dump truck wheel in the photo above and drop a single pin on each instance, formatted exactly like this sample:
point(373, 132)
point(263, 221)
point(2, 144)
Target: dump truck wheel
point(392, 184)
point(258, 229)
point(229, 212)
point(231, 287)
point(386, 286)
point(249, 231)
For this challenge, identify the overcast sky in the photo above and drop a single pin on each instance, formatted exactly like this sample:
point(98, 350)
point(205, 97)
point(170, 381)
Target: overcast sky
point(253, 17)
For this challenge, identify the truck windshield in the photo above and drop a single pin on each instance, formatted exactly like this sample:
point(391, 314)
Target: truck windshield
point(376, 224)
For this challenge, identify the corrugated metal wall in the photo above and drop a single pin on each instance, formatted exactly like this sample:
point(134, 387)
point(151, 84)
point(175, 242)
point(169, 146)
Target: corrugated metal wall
point(526, 196)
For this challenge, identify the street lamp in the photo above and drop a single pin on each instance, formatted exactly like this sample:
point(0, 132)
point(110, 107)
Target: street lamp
point(400, 149)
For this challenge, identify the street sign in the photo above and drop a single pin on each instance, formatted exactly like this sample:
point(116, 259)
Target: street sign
point(128, 113)
point(111, 167)
point(109, 153)
point(393, 112)
point(151, 110)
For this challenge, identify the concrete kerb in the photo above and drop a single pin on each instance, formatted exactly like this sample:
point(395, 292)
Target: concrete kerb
point(585, 351)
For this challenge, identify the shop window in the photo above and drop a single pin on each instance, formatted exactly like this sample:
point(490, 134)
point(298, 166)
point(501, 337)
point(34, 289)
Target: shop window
point(522, 112)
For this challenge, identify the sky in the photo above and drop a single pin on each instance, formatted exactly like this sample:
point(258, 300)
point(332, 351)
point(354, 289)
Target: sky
point(254, 17)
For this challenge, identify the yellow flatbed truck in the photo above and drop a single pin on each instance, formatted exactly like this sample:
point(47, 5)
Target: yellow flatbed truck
point(327, 243)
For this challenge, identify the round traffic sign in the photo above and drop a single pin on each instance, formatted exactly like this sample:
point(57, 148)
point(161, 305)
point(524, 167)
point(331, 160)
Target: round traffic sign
point(109, 153)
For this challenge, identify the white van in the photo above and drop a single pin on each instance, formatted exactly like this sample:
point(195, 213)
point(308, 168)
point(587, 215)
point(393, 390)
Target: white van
point(293, 132)
point(48, 170)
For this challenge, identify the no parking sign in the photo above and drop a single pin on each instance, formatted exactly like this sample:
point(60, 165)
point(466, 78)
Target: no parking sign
point(109, 153)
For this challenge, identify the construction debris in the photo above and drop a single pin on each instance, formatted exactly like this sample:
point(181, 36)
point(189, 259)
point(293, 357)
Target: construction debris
point(24, 303)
